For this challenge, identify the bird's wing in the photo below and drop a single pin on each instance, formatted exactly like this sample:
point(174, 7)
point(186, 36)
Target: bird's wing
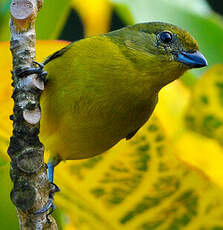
point(57, 54)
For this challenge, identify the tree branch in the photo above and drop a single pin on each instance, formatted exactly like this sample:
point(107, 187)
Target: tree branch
point(28, 171)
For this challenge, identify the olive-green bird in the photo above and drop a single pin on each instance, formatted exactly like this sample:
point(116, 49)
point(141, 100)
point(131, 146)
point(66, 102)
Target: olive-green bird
point(104, 88)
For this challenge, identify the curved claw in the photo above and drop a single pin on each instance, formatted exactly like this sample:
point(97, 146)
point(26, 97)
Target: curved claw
point(32, 70)
point(28, 71)
point(39, 64)
point(48, 205)
point(50, 212)
point(53, 189)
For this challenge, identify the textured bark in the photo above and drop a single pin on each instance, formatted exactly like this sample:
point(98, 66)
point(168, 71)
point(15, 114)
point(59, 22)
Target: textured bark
point(28, 171)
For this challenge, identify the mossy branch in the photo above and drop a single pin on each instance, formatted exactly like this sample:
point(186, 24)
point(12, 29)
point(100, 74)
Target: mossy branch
point(28, 171)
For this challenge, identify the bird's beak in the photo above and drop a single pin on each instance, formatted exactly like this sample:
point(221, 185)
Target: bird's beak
point(193, 60)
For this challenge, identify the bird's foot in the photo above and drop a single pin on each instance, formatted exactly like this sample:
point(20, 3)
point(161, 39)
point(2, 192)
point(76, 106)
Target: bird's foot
point(23, 72)
point(49, 206)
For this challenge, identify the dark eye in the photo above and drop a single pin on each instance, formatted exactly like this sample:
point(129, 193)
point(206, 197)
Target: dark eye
point(165, 37)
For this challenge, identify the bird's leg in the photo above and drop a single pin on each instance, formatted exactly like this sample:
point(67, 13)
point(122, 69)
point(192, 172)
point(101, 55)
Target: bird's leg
point(53, 189)
point(33, 70)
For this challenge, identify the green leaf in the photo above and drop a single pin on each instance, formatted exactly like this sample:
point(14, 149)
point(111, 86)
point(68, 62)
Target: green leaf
point(124, 13)
point(8, 217)
point(51, 19)
point(4, 20)
point(4, 7)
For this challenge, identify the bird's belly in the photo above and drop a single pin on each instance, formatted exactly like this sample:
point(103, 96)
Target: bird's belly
point(94, 133)
point(81, 142)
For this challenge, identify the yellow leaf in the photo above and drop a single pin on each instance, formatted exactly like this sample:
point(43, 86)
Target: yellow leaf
point(138, 185)
point(173, 99)
point(5, 89)
point(95, 14)
point(193, 148)
point(203, 153)
point(205, 110)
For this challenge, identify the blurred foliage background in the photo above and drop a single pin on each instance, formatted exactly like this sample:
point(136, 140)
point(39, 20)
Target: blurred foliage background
point(168, 177)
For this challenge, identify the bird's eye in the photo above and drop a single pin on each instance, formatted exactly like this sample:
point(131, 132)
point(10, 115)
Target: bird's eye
point(165, 37)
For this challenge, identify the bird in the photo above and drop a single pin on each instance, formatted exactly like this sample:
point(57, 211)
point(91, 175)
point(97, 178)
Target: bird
point(104, 88)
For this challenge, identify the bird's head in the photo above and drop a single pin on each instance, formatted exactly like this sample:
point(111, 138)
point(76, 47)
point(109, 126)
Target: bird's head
point(164, 51)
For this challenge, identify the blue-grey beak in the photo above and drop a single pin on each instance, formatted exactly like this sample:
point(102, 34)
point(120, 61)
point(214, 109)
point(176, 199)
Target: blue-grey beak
point(193, 60)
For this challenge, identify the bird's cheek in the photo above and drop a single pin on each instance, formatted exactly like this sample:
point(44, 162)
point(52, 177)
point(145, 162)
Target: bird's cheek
point(169, 58)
